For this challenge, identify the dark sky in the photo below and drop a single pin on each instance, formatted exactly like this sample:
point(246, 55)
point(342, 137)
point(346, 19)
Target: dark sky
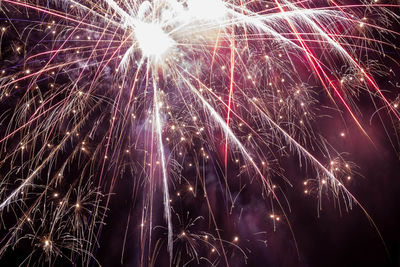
point(332, 236)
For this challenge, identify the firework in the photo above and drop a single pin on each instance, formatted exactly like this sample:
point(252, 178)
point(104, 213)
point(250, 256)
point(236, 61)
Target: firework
point(191, 101)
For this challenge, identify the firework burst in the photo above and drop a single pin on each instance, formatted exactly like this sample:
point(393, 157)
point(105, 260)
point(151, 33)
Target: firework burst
point(193, 101)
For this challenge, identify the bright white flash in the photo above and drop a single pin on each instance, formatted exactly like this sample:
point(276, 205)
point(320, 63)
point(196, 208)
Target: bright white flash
point(207, 9)
point(152, 40)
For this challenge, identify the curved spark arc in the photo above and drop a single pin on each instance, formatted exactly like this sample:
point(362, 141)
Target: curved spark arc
point(177, 44)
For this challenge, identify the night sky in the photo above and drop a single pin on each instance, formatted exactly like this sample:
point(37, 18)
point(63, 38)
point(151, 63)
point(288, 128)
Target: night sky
point(326, 231)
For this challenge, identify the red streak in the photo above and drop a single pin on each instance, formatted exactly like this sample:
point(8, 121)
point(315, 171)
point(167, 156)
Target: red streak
point(318, 70)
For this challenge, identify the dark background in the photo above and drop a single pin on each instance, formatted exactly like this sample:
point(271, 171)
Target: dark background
point(325, 238)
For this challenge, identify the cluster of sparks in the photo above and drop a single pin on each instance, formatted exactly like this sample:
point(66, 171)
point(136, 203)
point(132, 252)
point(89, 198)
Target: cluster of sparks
point(181, 97)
